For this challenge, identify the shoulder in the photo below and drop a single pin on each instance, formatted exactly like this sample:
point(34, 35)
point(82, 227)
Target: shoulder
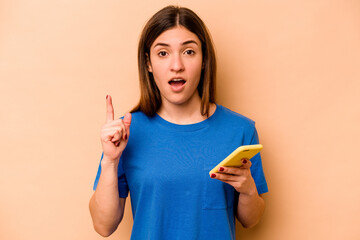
point(139, 118)
point(139, 115)
point(233, 118)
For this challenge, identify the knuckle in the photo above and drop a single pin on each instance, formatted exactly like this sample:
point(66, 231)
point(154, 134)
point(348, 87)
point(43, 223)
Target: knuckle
point(107, 124)
point(104, 138)
point(224, 177)
point(227, 170)
point(119, 120)
point(232, 170)
point(238, 171)
point(115, 129)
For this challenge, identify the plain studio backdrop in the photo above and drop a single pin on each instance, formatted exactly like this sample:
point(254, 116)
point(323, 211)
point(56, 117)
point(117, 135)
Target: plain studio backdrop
point(292, 66)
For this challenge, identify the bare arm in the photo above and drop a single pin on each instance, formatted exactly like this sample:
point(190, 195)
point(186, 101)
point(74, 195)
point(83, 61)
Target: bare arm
point(251, 205)
point(106, 208)
point(250, 209)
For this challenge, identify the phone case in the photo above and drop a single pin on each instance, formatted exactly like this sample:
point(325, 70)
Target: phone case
point(234, 159)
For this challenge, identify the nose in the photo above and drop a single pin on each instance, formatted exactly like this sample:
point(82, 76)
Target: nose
point(177, 64)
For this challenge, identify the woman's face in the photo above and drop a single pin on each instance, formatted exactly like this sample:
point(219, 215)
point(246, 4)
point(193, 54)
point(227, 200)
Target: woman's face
point(176, 63)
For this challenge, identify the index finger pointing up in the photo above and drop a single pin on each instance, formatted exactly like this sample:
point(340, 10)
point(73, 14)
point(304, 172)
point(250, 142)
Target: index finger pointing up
point(109, 109)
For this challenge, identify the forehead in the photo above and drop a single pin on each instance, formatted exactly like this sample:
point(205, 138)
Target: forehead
point(175, 36)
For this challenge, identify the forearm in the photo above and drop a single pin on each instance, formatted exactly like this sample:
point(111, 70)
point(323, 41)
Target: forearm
point(250, 209)
point(106, 207)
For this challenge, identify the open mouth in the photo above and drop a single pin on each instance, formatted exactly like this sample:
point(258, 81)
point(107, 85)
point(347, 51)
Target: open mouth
point(177, 82)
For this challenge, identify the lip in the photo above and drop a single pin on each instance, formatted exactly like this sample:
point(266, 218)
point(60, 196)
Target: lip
point(177, 88)
point(177, 78)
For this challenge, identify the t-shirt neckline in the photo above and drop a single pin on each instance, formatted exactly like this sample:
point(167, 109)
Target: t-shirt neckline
point(187, 127)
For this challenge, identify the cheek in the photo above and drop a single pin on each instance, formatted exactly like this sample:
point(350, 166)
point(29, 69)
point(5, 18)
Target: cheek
point(159, 70)
point(159, 79)
point(196, 66)
point(196, 71)
point(158, 82)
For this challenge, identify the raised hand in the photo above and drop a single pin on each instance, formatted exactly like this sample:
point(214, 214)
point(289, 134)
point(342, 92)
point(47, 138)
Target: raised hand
point(114, 133)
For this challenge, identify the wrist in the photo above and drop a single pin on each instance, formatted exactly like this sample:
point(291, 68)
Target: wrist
point(250, 193)
point(109, 162)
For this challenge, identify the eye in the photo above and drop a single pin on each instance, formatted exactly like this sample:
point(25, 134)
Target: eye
point(162, 53)
point(189, 52)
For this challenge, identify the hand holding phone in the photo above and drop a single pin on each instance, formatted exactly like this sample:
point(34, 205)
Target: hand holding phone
point(235, 158)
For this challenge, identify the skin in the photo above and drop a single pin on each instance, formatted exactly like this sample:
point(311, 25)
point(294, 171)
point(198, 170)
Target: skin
point(106, 208)
point(251, 205)
point(175, 53)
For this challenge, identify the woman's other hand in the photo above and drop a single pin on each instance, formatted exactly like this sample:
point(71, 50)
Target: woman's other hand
point(238, 177)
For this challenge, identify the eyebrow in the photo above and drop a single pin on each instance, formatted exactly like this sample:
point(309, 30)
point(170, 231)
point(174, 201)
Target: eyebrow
point(167, 45)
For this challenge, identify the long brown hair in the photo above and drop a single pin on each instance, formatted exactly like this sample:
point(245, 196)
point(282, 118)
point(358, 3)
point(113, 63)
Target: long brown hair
point(166, 18)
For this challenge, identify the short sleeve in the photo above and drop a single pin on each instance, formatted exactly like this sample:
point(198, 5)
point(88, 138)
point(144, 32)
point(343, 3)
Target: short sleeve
point(256, 168)
point(122, 182)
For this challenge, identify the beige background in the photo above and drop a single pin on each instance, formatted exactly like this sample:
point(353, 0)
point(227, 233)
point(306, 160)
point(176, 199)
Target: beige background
point(293, 66)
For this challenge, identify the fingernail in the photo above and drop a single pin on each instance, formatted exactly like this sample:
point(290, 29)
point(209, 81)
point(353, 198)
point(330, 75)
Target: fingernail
point(221, 169)
point(107, 96)
point(213, 175)
point(244, 161)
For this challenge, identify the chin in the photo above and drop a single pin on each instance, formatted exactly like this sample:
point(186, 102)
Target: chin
point(178, 101)
point(180, 98)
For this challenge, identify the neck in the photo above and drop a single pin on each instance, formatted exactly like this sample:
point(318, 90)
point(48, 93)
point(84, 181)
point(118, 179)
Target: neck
point(185, 113)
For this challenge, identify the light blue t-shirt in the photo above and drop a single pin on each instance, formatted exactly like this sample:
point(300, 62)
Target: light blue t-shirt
point(166, 166)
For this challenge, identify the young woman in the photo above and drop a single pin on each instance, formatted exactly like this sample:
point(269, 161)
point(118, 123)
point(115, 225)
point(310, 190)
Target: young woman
point(162, 151)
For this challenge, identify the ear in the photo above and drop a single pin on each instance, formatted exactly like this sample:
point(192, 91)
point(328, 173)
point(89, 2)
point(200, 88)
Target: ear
point(148, 63)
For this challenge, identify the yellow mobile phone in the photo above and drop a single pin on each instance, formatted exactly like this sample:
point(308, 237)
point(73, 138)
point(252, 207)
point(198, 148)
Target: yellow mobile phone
point(234, 159)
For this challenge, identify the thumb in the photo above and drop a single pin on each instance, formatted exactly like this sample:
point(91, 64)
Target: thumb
point(246, 163)
point(127, 122)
